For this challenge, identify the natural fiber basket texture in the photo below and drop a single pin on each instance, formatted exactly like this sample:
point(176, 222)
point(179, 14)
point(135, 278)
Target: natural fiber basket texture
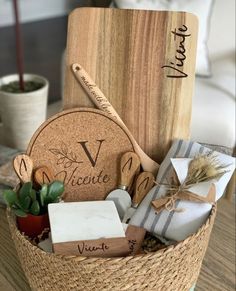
point(173, 268)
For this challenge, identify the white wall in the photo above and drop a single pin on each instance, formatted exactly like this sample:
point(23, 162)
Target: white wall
point(222, 29)
point(31, 10)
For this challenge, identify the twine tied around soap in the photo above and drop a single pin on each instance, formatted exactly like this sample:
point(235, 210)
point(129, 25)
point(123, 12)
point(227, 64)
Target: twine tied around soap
point(202, 168)
point(180, 192)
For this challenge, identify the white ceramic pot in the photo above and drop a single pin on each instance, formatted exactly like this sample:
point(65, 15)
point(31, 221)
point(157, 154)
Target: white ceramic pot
point(22, 113)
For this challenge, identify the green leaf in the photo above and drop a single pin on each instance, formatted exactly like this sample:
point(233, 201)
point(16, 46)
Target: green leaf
point(47, 200)
point(10, 197)
point(35, 208)
point(43, 193)
point(32, 194)
point(41, 197)
point(55, 190)
point(44, 190)
point(19, 212)
point(25, 203)
point(25, 190)
point(17, 203)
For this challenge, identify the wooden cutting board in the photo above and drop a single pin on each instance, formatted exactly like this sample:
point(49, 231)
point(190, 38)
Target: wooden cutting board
point(144, 62)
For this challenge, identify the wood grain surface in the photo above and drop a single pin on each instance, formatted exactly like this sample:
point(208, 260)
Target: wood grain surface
point(217, 273)
point(104, 247)
point(100, 100)
point(135, 236)
point(23, 166)
point(129, 55)
point(43, 175)
point(143, 185)
point(218, 270)
point(129, 165)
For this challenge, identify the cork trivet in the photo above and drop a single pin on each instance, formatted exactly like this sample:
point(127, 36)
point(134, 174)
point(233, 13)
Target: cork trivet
point(83, 148)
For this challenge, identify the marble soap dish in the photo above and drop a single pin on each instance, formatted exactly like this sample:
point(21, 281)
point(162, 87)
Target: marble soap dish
point(90, 228)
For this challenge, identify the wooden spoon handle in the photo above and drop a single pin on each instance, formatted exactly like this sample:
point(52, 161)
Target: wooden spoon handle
point(43, 175)
point(102, 103)
point(23, 166)
point(129, 165)
point(143, 185)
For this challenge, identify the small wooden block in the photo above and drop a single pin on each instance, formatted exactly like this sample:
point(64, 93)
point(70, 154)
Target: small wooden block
point(83, 148)
point(135, 236)
point(112, 247)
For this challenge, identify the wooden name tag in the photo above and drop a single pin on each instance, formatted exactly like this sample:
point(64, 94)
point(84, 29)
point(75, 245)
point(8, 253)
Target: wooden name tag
point(83, 148)
point(107, 247)
point(135, 236)
point(112, 247)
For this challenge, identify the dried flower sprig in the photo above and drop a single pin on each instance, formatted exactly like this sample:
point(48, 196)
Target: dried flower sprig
point(203, 168)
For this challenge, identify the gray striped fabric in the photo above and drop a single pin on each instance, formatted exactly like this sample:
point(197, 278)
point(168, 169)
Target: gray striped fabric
point(163, 223)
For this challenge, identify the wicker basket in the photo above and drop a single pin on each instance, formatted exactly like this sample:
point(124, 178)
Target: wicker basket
point(173, 268)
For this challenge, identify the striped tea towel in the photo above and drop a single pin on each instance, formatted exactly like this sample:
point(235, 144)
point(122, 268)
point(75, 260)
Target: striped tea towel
point(179, 225)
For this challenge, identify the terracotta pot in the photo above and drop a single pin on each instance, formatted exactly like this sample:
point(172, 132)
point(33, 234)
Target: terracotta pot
point(33, 225)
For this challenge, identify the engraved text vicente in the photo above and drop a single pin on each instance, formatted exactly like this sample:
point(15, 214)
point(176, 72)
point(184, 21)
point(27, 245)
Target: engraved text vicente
point(175, 69)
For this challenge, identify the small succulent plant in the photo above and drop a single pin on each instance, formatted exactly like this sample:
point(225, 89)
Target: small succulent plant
point(30, 201)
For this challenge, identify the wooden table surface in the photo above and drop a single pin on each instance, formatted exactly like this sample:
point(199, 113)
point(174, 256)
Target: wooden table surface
point(217, 274)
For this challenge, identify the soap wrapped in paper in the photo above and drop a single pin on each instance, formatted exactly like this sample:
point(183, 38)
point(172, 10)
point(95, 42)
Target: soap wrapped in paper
point(177, 225)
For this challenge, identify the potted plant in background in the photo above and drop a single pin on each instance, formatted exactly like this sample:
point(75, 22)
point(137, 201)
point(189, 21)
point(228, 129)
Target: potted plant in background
point(31, 206)
point(23, 99)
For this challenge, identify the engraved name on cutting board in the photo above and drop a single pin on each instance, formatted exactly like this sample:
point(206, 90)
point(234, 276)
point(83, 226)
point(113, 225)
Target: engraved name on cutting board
point(83, 148)
point(175, 66)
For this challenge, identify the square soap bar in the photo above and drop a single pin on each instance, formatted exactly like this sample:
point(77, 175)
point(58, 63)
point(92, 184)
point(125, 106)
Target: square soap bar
point(82, 221)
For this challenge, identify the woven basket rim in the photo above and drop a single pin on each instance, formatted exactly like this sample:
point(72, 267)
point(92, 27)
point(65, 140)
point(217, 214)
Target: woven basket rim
point(11, 219)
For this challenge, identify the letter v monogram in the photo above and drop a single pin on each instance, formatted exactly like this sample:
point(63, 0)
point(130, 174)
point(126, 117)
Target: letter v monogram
point(92, 161)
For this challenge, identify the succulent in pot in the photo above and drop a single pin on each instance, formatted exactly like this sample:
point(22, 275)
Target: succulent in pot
point(30, 205)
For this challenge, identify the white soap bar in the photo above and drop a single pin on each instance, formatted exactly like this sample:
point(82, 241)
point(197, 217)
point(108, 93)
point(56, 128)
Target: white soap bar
point(88, 220)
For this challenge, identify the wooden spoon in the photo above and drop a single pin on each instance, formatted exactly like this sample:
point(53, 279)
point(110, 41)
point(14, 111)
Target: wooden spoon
point(102, 103)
